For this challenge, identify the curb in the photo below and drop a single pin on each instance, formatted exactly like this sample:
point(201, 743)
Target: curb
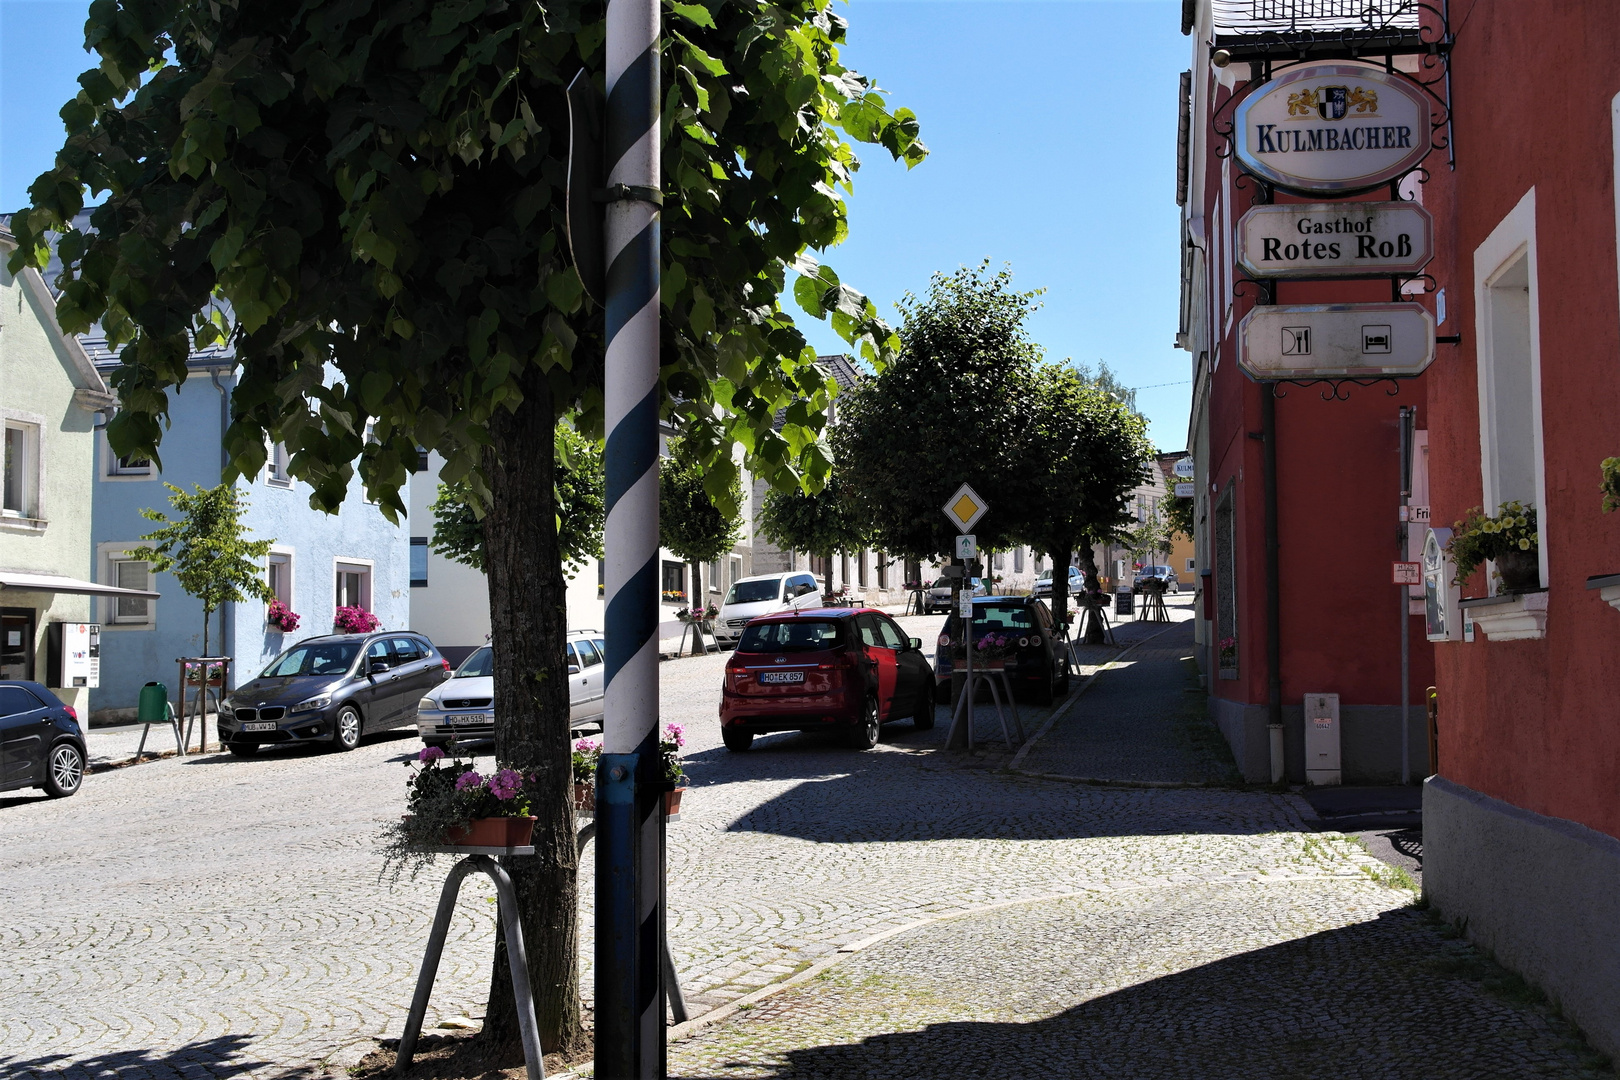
point(1059, 713)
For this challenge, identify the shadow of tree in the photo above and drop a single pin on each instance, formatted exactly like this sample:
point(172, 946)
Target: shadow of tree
point(222, 1056)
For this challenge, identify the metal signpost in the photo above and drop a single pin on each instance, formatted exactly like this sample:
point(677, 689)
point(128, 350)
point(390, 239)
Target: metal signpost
point(964, 508)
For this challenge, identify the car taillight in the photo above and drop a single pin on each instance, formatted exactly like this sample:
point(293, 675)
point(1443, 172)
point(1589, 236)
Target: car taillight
point(446, 664)
point(73, 714)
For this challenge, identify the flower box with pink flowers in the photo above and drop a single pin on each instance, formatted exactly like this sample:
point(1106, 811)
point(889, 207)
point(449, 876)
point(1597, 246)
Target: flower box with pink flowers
point(449, 803)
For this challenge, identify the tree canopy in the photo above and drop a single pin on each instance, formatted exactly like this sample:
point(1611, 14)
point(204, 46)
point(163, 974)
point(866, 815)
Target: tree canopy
point(692, 523)
point(945, 412)
point(819, 523)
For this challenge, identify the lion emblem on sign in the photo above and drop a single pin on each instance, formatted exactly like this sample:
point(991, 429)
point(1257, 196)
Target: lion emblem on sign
point(1303, 103)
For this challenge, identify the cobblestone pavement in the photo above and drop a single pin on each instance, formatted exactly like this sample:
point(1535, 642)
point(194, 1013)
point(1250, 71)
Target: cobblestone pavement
point(210, 916)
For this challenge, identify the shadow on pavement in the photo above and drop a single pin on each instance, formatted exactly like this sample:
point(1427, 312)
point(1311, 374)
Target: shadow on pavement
point(223, 1056)
point(1387, 998)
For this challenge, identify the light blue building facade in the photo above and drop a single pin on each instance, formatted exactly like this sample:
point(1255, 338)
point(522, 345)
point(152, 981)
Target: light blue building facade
point(355, 557)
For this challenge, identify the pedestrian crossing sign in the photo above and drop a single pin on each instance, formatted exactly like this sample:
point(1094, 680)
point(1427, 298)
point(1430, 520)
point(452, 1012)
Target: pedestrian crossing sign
point(965, 508)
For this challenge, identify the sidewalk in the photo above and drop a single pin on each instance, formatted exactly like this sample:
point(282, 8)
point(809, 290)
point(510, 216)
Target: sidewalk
point(1142, 721)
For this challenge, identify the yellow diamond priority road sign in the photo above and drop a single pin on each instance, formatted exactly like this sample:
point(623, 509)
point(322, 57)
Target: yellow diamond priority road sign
point(965, 508)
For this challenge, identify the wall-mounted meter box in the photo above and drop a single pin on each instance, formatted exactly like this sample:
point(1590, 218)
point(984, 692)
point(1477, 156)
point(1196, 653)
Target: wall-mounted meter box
point(1322, 763)
point(73, 655)
point(1441, 614)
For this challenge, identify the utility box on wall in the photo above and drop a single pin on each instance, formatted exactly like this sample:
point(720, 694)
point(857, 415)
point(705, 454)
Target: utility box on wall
point(73, 655)
point(1322, 739)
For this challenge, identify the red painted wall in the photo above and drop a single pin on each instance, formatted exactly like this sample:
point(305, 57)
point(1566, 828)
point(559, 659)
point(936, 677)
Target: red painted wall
point(1338, 481)
point(1537, 723)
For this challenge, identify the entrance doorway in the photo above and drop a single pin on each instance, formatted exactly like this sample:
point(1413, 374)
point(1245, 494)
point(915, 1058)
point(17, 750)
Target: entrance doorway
point(16, 643)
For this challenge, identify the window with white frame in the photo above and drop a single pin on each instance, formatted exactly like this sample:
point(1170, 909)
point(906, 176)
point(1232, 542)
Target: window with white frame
point(23, 466)
point(1509, 364)
point(736, 570)
point(278, 575)
point(125, 465)
point(353, 581)
point(127, 573)
point(275, 469)
point(714, 576)
point(1018, 560)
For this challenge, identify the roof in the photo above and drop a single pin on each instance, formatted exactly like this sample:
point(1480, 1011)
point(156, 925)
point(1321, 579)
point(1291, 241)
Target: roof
point(92, 392)
point(28, 581)
point(841, 368)
point(820, 613)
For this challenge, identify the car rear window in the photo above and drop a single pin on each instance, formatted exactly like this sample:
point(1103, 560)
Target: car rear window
point(752, 592)
point(791, 635)
point(1002, 617)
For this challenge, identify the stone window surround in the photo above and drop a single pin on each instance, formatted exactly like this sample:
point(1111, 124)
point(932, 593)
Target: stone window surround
point(288, 557)
point(366, 568)
point(110, 470)
point(38, 521)
point(109, 552)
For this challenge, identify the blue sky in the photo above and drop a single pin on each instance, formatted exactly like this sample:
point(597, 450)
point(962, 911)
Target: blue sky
point(1052, 126)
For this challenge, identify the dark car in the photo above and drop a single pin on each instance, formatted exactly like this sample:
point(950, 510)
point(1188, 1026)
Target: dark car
point(1164, 575)
point(826, 669)
point(1026, 645)
point(333, 689)
point(41, 745)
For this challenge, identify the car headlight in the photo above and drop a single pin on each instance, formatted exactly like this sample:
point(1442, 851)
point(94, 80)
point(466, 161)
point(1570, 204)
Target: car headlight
point(427, 703)
point(319, 701)
point(226, 708)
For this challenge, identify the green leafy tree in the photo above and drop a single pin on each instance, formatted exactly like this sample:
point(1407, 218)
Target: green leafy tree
point(1088, 450)
point(581, 483)
point(947, 411)
point(1178, 516)
point(377, 187)
point(819, 523)
point(692, 523)
point(206, 549)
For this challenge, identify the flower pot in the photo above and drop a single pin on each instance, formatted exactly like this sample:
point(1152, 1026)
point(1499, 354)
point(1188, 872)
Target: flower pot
point(1520, 570)
point(584, 795)
point(672, 801)
point(493, 832)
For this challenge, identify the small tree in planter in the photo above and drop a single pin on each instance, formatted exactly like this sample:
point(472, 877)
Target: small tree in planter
point(1509, 538)
point(207, 550)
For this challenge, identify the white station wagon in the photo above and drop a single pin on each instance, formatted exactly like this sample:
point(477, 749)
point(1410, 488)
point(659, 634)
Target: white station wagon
point(463, 706)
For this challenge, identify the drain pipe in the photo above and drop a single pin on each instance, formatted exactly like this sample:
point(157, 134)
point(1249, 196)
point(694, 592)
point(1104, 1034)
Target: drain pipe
point(226, 610)
point(1268, 440)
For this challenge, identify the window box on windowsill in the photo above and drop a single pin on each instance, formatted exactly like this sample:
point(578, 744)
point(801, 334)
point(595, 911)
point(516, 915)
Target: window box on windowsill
point(1608, 587)
point(1518, 616)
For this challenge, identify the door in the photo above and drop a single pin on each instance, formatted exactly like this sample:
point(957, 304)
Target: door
point(416, 672)
point(17, 643)
point(591, 670)
point(913, 676)
point(379, 698)
point(24, 723)
point(883, 664)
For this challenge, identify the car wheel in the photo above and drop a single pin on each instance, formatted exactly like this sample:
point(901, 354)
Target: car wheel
point(64, 770)
point(346, 733)
point(865, 735)
point(923, 718)
point(242, 749)
point(737, 739)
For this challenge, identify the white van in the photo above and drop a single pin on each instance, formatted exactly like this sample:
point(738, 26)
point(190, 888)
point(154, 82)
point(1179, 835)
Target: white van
point(751, 597)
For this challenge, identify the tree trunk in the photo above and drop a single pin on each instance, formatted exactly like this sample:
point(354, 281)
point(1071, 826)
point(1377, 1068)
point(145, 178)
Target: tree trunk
point(1061, 555)
point(1088, 568)
point(528, 625)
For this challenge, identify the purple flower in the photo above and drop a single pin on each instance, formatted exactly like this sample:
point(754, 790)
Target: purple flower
point(430, 753)
point(587, 746)
point(468, 779)
point(675, 733)
point(506, 784)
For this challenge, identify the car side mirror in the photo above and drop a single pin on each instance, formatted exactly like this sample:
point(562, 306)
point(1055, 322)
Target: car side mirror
point(378, 667)
point(573, 669)
point(915, 643)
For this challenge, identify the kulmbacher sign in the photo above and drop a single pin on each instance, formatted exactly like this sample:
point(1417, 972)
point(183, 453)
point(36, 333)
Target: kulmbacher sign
point(1335, 128)
point(1335, 239)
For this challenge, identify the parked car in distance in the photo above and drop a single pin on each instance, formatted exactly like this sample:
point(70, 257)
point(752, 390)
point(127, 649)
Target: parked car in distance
point(332, 689)
point(1035, 662)
point(939, 593)
point(1043, 583)
point(750, 597)
point(41, 745)
point(849, 670)
point(463, 707)
point(1156, 573)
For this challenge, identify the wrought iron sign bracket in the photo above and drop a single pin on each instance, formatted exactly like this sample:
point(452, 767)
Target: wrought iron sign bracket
point(1336, 389)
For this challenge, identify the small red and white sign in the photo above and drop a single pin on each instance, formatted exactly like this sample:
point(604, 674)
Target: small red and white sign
point(1408, 573)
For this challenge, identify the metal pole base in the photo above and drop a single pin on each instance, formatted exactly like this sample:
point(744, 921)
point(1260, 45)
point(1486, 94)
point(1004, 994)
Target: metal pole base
point(516, 959)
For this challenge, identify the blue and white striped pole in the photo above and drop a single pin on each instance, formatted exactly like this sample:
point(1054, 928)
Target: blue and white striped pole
point(630, 1043)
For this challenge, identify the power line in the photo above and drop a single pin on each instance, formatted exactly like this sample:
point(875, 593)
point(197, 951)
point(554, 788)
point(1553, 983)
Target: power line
point(1156, 386)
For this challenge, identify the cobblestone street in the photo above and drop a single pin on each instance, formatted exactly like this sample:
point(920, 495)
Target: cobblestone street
point(209, 916)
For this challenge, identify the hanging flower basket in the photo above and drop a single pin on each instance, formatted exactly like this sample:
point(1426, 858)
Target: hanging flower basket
point(451, 804)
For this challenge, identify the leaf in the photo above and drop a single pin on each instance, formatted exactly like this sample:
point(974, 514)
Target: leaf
point(693, 13)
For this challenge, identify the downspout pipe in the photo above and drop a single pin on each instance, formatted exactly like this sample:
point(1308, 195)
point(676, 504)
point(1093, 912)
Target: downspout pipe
point(1268, 442)
point(227, 611)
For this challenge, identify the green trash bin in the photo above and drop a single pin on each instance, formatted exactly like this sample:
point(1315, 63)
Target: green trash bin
point(154, 704)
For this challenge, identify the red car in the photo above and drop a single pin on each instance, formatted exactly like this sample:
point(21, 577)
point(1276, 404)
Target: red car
point(830, 669)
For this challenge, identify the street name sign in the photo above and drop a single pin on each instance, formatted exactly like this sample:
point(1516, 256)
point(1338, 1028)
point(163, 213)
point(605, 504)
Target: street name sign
point(964, 508)
point(1335, 239)
point(1332, 128)
point(1317, 341)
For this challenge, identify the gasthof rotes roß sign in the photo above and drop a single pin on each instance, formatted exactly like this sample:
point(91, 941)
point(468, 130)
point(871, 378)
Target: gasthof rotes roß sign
point(1332, 128)
point(1335, 239)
